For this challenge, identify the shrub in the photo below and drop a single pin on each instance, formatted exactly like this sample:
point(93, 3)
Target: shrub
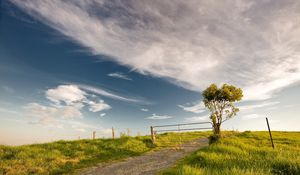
point(214, 138)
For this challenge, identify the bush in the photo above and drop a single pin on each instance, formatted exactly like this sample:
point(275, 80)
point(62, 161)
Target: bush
point(214, 138)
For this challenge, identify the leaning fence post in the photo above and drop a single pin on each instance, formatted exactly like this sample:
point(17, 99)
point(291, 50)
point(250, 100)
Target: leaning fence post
point(113, 132)
point(152, 134)
point(270, 132)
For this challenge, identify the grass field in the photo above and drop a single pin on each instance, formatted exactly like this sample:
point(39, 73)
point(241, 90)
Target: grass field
point(67, 156)
point(245, 153)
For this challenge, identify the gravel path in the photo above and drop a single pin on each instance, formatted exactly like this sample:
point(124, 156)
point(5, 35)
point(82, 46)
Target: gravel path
point(149, 163)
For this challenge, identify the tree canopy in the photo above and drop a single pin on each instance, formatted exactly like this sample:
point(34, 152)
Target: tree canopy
point(220, 101)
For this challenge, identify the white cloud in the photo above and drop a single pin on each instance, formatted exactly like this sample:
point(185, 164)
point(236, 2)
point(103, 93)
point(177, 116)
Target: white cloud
point(119, 75)
point(48, 114)
point(74, 99)
point(81, 129)
point(102, 114)
point(79, 125)
point(158, 117)
point(273, 121)
point(144, 109)
point(197, 118)
point(42, 115)
point(254, 45)
point(67, 102)
point(251, 116)
point(69, 94)
point(97, 107)
point(259, 105)
point(196, 108)
point(70, 112)
point(40, 111)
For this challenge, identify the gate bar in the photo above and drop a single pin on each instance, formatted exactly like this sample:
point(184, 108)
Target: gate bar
point(180, 124)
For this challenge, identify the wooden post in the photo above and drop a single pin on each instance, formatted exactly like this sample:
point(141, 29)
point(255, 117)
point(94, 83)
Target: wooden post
point(113, 132)
point(128, 132)
point(94, 134)
point(270, 132)
point(152, 134)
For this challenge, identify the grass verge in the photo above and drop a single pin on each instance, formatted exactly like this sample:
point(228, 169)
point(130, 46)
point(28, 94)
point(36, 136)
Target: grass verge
point(245, 153)
point(64, 157)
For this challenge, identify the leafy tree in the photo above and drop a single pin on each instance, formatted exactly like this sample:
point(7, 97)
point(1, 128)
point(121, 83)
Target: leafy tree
point(220, 101)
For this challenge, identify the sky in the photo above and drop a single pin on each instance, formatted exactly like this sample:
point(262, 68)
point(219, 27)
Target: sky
point(68, 68)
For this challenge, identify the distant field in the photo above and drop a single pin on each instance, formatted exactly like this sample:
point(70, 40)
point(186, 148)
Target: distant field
point(67, 156)
point(245, 153)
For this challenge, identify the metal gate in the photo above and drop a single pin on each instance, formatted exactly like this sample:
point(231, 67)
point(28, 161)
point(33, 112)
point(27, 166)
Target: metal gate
point(157, 130)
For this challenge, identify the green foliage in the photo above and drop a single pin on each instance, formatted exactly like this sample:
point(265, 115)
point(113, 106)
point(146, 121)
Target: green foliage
point(63, 157)
point(220, 101)
point(245, 153)
point(225, 93)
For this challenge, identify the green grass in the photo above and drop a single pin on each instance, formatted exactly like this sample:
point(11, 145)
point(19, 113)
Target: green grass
point(245, 153)
point(63, 157)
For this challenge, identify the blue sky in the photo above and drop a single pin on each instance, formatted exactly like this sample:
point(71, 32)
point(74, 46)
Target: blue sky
point(71, 67)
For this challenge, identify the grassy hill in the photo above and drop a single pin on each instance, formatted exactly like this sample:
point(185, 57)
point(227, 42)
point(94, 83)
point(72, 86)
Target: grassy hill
point(245, 153)
point(63, 157)
point(239, 153)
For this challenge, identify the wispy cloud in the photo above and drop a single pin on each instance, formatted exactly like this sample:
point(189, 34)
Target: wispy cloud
point(259, 105)
point(105, 93)
point(197, 118)
point(119, 75)
point(254, 45)
point(144, 109)
point(84, 127)
point(195, 108)
point(158, 117)
point(47, 113)
point(8, 89)
point(5, 110)
point(102, 114)
point(251, 116)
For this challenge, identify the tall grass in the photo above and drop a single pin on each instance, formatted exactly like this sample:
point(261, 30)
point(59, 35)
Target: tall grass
point(245, 153)
point(63, 157)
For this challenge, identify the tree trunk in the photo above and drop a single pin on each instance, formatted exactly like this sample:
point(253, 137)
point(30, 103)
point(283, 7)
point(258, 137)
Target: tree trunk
point(217, 128)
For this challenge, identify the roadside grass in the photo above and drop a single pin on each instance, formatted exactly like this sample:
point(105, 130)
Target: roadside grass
point(245, 153)
point(63, 157)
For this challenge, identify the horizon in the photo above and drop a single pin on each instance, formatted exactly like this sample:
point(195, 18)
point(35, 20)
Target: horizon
point(69, 68)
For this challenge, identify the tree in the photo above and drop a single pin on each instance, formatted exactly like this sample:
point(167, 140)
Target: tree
point(220, 101)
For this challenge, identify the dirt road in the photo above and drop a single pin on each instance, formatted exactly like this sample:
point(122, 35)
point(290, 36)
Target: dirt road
point(147, 164)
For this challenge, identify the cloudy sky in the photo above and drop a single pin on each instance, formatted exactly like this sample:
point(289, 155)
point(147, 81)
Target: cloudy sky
point(68, 68)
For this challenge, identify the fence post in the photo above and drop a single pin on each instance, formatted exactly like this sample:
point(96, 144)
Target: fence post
point(94, 134)
point(152, 134)
point(113, 132)
point(128, 132)
point(270, 132)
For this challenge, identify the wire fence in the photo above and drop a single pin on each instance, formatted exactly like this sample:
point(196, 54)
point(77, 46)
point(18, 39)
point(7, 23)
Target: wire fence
point(122, 131)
